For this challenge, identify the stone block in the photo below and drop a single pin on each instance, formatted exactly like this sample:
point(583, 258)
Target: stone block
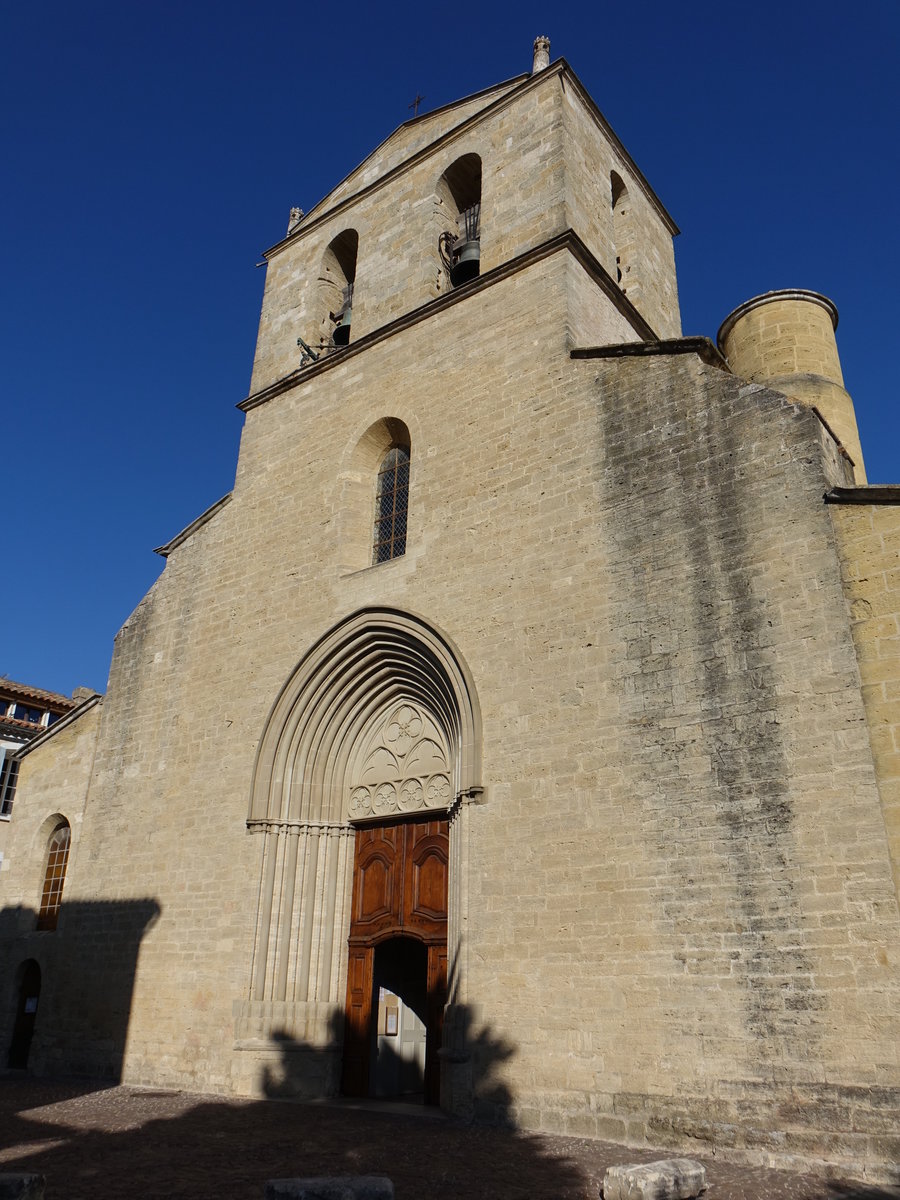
point(667, 1179)
point(331, 1187)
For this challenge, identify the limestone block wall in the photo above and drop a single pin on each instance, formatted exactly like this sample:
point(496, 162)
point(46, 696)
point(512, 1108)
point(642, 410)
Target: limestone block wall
point(199, 664)
point(53, 781)
point(643, 242)
point(786, 340)
point(868, 539)
point(681, 907)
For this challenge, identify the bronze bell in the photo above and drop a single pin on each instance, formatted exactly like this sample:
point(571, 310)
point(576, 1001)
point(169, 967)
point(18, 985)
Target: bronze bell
point(467, 262)
point(341, 334)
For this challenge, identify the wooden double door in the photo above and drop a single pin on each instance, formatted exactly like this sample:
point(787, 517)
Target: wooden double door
point(399, 906)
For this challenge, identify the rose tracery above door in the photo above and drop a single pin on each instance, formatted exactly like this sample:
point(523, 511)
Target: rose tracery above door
point(403, 767)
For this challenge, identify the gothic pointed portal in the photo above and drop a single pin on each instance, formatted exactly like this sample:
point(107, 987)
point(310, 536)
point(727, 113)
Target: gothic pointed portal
point(376, 735)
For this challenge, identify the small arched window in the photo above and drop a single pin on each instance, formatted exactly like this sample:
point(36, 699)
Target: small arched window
point(391, 502)
point(54, 876)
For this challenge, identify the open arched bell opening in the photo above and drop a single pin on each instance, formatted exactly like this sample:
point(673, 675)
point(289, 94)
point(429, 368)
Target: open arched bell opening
point(336, 279)
point(361, 787)
point(458, 205)
point(623, 235)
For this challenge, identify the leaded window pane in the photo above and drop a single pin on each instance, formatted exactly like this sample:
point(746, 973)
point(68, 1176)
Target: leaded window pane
point(54, 878)
point(392, 497)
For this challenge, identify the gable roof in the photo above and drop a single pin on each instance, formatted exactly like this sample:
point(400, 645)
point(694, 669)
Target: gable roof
point(405, 141)
point(417, 137)
point(25, 691)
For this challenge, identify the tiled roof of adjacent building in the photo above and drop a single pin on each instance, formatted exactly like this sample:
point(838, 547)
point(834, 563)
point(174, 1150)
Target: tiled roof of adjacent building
point(24, 691)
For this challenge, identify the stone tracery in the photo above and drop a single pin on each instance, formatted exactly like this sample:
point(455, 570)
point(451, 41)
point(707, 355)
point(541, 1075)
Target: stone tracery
point(404, 766)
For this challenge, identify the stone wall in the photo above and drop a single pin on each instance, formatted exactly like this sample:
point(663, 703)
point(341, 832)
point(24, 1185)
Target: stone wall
point(869, 545)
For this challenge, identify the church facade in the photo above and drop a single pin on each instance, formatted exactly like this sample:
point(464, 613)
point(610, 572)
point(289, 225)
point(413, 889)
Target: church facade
point(522, 728)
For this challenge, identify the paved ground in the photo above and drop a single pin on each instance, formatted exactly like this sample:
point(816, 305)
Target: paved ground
point(123, 1143)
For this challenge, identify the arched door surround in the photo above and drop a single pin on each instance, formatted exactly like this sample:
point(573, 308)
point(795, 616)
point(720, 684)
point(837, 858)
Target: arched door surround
point(379, 721)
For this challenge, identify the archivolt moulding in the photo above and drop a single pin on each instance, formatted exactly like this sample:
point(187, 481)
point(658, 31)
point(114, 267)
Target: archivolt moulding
point(379, 681)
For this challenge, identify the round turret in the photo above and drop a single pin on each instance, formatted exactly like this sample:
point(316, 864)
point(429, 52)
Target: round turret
point(786, 341)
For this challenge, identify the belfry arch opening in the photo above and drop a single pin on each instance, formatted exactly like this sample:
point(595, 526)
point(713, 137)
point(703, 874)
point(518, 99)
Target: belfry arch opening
point(458, 211)
point(337, 277)
point(623, 232)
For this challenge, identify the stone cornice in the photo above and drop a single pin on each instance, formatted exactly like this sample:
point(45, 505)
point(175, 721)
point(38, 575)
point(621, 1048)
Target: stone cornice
point(569, 240)
point(773, 298)
point(701, 346)
point(879, 493)
point(166, 550)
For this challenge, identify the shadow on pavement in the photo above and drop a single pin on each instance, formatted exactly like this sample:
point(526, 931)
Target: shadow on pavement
point(120, 1142)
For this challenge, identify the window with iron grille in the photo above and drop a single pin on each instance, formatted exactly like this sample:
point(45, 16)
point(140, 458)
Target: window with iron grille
point(391, 499)
point(54, 877)
point(9, 775)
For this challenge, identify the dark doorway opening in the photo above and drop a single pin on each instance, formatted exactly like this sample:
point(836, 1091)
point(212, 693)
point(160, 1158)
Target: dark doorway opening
point(26, 1014)
point(400, 1019)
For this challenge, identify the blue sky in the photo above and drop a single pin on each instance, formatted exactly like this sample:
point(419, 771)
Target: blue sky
point(152, 150)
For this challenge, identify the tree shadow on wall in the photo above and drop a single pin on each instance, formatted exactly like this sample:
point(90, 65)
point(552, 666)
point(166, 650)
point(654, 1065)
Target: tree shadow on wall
point(472, 1057)
point(475, 1152)
point(65, 996)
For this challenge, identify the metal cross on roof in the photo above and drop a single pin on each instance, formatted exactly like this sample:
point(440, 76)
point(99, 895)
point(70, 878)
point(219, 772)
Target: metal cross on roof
point(415, 104)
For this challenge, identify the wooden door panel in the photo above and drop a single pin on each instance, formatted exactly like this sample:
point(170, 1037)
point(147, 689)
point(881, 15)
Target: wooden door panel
point(435, 1002)
point(426, 857)
point(355, 1081)
point(377, 879)
point(399, 888)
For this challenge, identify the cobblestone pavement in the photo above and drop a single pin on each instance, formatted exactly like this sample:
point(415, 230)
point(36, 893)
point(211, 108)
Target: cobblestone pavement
point(121, 1143)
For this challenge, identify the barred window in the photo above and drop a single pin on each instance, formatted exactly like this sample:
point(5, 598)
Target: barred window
point(391, 499)
point(54, 876)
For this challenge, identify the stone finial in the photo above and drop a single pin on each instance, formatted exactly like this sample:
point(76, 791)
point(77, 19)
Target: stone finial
point(295, 218)
point(541, 54)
